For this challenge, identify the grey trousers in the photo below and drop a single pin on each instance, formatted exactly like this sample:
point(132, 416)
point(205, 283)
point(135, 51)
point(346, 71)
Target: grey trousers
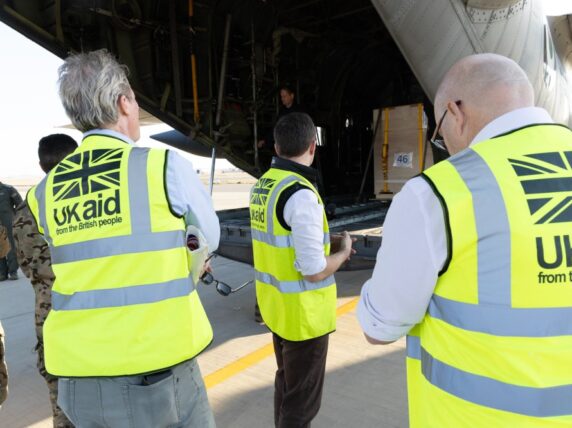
point(174, 398)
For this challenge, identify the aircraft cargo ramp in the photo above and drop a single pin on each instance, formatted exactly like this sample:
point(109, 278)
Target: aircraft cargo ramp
point(362, 220)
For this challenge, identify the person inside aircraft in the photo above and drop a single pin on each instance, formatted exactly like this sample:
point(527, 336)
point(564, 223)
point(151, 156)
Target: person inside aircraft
point(127, 322)
point(466, 267)
point(288, 105)
point(33, 254)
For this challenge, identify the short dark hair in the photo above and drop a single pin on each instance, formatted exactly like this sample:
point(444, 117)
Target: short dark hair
point(287, 88)
point(294, 133)
point(53, 148)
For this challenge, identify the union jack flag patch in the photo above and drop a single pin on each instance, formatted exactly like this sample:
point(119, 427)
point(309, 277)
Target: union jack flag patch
point(261, 190)
point(87, 172)
point(546, 179)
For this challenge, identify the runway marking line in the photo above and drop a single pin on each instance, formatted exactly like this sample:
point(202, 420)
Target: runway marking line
point(255, 357)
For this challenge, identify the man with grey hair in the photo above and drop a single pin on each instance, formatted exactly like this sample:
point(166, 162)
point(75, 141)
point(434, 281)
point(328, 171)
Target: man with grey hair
point(126, 322)
point(474, 262)
point(295, 286)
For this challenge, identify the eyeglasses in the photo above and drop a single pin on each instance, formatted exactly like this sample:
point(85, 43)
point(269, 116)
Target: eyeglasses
point(221, 287)
point(436, 139)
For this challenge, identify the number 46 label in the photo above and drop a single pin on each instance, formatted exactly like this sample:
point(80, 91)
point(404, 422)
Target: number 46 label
point(403, 160)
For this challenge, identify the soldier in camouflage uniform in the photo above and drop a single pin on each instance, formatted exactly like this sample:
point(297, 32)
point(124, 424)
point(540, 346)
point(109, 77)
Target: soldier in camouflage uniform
point(34, 258)
point(3, 369)
point(4, 249)
point(9, 200)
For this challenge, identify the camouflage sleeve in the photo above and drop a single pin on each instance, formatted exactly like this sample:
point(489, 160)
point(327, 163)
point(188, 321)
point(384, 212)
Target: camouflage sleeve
point(15, 198)
point(3, 369)
point(4, 242)
point(32, 250)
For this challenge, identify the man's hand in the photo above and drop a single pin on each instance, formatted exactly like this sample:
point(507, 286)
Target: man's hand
point(377, 342)
point(207, 266)
point(342, 243)
point(336, 259)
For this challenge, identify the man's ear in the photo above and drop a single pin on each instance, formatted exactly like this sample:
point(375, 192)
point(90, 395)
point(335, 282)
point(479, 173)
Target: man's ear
point(124, 105)
point(312, 147)
point(459, 118)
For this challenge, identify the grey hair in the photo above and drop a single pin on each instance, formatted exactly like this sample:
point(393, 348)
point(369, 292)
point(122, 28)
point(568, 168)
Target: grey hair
point(90, 85)
point(294, 133)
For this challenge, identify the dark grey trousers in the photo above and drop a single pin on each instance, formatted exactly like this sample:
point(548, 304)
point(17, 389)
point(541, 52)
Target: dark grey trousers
point(299, 380)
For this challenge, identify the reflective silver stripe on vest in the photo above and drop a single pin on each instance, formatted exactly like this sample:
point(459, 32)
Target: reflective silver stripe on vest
point(41, 199)
point(139, 191)
point(272, 202)
point(274, 240)
point(116, 245)
point(484, 391)
point(501, 320)
point(493, 230)
point(293, 286)
point(123, 296)
point(279, 241)
point(413, 347)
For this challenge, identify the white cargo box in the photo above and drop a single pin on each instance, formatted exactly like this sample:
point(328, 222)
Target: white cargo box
point(398, 148)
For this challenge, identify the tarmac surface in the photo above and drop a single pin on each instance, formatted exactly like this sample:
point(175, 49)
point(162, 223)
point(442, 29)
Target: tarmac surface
point(365, 385)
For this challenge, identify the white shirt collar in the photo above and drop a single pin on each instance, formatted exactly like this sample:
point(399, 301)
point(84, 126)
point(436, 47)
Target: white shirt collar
point(512, 120)
point(110, 133)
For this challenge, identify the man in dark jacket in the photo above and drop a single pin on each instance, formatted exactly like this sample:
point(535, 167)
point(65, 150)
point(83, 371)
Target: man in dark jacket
point(289, 105)
point(9, 200)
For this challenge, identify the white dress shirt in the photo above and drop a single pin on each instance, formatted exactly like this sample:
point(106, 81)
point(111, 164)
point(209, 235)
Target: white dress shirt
point(304, 214)
point(187, 194)
point(414, 247)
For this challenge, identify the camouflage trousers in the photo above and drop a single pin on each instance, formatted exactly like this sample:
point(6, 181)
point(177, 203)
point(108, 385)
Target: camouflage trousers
point(43, 306)
point(60, 418)
point(3, 369)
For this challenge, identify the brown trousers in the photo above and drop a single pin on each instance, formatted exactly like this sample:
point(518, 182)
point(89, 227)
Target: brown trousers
point(299, 380)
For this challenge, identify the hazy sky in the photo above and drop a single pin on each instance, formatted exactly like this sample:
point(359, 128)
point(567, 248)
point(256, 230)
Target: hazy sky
point(30, 107)
point(558, 7)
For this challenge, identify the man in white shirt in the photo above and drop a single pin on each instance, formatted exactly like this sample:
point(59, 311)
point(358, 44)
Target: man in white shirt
point(435, 232)
point(126, 322)
point(294, 270)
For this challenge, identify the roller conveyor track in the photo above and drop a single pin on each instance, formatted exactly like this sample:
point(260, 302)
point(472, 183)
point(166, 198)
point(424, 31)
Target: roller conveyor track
point(364, 222)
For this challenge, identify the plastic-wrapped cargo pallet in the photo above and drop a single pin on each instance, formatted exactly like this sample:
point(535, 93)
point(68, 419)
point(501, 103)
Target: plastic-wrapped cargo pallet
point(398, 148)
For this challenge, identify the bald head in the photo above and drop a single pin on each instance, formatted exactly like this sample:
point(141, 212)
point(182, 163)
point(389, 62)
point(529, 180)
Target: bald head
point(488, 86)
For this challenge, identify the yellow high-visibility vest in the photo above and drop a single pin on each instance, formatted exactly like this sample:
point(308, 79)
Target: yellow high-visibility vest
point(123, 301)
point(495, 346)
point(291, 306)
